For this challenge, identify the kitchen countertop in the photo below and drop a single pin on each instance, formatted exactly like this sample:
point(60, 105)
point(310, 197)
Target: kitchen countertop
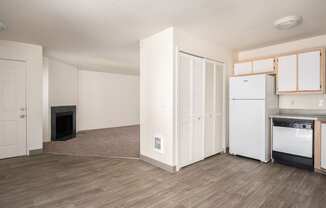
point(304, 117)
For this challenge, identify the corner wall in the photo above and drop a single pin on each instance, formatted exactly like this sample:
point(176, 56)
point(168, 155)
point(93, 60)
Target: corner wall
point(158, 90)
point(156, 95)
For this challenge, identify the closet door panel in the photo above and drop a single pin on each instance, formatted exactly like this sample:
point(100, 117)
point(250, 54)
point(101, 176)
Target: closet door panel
point(185, 109)
point(209, 109)
point(197, 151)
point(198, 87)
point(185, 87)
point(218, 110)
point(185, 143)
point(198, 109)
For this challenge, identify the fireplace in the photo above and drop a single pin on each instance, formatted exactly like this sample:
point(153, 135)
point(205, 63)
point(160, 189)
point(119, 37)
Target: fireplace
point(63, 123)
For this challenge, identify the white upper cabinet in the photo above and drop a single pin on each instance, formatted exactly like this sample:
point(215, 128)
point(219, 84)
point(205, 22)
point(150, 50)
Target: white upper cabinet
point(287, 74)
point(263, 66)
point(309, 70)
point(254, 67)
point(243, 68)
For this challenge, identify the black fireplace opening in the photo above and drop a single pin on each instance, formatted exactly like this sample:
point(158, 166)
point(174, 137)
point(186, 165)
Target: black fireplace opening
point(63, 123)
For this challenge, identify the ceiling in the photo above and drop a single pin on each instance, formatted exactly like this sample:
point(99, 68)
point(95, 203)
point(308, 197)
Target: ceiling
point(104, 34)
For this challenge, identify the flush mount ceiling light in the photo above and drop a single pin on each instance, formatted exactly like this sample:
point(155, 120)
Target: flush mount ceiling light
point(288, 22)
point(2, 26)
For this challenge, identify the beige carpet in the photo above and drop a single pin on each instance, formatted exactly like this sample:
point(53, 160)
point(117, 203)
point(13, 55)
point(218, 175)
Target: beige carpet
point(111, 142)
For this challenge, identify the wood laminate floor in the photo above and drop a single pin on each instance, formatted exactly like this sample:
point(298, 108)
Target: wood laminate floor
point(110, 142)
point(220, 181)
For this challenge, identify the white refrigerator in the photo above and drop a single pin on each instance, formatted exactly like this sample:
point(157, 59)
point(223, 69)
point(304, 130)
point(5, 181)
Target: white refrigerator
point(252, 101)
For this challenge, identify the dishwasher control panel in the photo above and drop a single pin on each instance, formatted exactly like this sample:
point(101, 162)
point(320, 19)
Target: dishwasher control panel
point(293, 123)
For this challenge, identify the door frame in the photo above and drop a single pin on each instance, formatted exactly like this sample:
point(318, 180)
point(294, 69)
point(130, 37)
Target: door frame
point(176, 104)
point(26, 107)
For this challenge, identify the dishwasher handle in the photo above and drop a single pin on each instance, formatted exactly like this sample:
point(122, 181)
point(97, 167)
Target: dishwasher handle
point(293, 123)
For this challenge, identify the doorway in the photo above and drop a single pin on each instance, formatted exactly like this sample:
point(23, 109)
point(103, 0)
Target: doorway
point(12, 108)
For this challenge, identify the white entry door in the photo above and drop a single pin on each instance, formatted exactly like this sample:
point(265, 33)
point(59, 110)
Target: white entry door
point(12, 109)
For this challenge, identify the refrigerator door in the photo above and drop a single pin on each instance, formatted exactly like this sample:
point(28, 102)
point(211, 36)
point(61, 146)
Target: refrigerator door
point(248, 87)
point(247, 129)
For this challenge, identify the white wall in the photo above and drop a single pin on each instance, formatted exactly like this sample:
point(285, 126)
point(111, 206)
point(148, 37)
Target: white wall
point(156, 95)
point(311, 102)
point(63, 83)
point(157, 87)
point(32, 55)
point(107, 100)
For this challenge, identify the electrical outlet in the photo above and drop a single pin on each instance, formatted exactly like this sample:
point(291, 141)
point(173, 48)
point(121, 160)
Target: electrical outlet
point(292, 102)
point(321, 103)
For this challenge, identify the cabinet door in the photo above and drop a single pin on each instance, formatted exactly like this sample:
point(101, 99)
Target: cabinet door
point(309, 71)
point(243, 68)
point(287, 74)
point(263, 66)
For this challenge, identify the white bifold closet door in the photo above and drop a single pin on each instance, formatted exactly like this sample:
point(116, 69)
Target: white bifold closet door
point(198, 96)
point(209, 109)
point(218, 107)
point(213, 108)
point(184, 109)
point(190, 107)
point(200, 93)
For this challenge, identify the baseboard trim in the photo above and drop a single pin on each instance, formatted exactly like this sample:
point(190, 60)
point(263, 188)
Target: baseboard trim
point(35, 152)
point(158, 164)
point(86, 130)
point(227, 150)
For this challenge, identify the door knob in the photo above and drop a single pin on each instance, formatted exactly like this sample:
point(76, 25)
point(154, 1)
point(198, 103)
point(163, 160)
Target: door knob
point(22, 116)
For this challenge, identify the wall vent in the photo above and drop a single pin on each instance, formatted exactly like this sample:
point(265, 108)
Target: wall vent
point(158, 144)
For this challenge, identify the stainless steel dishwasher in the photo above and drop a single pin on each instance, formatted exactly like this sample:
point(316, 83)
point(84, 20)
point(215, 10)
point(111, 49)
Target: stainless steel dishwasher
point(293, 142)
